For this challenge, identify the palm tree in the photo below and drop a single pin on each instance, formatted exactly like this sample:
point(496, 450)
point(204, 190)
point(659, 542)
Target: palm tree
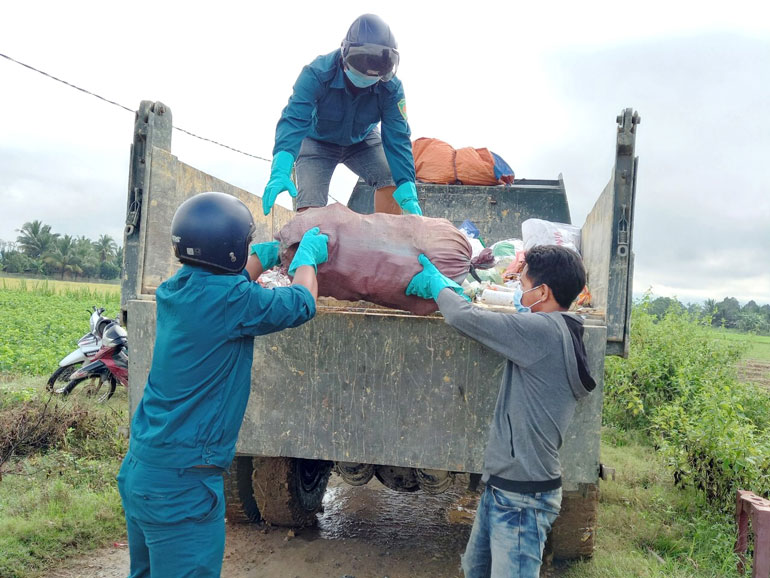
point(36, 239)
point(106, 248)
point(63, 256)
point(118, 259)
point(88, 258)
point(83, 247)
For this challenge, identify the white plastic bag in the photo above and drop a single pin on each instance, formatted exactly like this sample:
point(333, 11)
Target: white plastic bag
point(540, 232)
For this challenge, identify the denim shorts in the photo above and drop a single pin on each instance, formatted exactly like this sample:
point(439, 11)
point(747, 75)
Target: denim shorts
point(317, 160)
point(509, 533)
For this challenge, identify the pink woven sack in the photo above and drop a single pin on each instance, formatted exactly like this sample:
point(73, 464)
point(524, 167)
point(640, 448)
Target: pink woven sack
point(374, 257)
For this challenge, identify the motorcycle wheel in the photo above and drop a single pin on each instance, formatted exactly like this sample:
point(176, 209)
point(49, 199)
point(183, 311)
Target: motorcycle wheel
point(61, 374)
point(90, 389)
point(110, 390)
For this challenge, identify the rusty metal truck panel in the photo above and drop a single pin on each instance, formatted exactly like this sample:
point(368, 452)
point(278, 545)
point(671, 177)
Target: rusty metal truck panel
point(400, 390)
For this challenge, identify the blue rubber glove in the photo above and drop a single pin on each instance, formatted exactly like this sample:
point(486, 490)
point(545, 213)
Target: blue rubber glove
point(267, 253)
point(280, 180)
point(429, 282)
point(312, 250)
point(406, 197)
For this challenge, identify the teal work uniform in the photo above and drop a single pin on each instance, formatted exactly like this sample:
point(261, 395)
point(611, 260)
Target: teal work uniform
point(323, 109)
point(190, 414)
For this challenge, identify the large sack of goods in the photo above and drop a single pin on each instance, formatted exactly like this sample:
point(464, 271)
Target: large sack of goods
point(374, 257)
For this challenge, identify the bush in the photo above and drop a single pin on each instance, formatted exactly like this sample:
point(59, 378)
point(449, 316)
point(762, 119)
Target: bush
point(37, 425)
point(678, 386)
point(671, 359)
point(16, 262)
point(58, 495)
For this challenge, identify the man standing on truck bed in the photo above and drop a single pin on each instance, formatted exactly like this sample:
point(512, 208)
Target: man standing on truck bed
point(545, 374)
point(332, 118)
point(184, 429)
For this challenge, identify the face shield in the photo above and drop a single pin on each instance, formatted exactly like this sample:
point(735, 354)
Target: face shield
point(372, 60)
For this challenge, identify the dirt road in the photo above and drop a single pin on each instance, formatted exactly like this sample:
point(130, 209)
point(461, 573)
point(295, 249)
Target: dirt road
point(363, 532)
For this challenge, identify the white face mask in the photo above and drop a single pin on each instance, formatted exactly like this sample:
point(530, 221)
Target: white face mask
point(518, 294)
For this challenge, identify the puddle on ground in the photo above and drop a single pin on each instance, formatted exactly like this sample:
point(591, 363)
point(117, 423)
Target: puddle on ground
point(395, 520)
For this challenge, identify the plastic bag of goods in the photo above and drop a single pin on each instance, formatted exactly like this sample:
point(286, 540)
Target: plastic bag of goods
point(540, 232)
point(374, 257)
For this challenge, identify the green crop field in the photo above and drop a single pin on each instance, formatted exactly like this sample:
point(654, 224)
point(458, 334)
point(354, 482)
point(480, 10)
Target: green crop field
point(757, 346)
point(41, 323)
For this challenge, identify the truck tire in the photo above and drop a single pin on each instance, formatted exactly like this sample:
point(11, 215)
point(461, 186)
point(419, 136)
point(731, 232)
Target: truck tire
point(574, 533)
point(397, 478)
point(289, 491)
point(240, 505)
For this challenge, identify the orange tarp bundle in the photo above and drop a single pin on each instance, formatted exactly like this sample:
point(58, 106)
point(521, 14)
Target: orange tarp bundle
point(475, 167)
point(438, 162)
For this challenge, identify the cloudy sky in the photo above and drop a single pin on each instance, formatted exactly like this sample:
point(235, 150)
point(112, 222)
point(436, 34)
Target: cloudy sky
point(540, 83)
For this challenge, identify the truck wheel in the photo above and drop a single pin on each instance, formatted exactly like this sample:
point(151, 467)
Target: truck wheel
point(397, 478)
point(355, 474)
point(289, 491)
point(574, 532)
point(240, 505)
point(434, 481)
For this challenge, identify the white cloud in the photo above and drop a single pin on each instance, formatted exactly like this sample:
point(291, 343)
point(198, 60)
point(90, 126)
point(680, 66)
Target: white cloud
point(538, 83)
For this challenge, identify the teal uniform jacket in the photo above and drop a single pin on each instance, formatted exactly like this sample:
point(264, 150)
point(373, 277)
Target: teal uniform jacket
point(323, 108)
point(200, 378)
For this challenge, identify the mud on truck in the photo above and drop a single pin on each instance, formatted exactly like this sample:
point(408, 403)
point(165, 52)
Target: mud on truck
point(376, 392)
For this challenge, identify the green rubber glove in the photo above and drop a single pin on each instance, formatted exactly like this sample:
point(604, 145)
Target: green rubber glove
point(312, 250)
point(280, 180)
point(267, 253)
point(429, 282)
point(406, 197)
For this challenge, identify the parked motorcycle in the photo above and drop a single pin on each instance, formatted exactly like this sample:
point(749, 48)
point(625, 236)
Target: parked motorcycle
point(88, 346)
point(108, 365)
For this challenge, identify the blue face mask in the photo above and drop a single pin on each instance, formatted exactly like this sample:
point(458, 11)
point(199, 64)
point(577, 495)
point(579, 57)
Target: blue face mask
point(518, 294)
point(360, 80)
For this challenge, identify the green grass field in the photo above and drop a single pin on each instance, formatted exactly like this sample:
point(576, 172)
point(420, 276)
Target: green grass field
point(757, 346)
point(58, 496)
point(648, 528)
point(62, 502)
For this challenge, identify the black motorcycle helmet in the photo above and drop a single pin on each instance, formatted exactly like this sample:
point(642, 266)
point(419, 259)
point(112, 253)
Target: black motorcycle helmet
point(114, 335)
point(370, 48)
point(213, 230)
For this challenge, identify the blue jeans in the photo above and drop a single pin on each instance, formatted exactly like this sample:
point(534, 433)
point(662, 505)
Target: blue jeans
point(317, 160)
point(175, 519)
point(509, 533)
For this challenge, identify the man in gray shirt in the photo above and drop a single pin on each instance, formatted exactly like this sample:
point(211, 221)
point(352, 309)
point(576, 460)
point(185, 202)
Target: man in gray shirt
point(546, 372)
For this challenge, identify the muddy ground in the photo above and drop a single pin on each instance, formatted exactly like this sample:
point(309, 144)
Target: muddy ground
point(363, 532)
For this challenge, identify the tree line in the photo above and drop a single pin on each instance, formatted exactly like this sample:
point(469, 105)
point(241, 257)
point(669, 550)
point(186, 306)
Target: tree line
point(749, 318)
point(39, 251)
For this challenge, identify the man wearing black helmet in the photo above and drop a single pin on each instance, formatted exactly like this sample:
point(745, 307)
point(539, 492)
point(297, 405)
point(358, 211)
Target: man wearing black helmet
point(332, 117)
point(184, 429)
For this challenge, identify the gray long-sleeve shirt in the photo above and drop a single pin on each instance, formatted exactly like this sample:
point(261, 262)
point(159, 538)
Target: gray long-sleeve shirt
point(538, 394)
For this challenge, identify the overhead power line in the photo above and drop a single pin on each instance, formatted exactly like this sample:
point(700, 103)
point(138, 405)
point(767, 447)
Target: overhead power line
point(112, 102)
